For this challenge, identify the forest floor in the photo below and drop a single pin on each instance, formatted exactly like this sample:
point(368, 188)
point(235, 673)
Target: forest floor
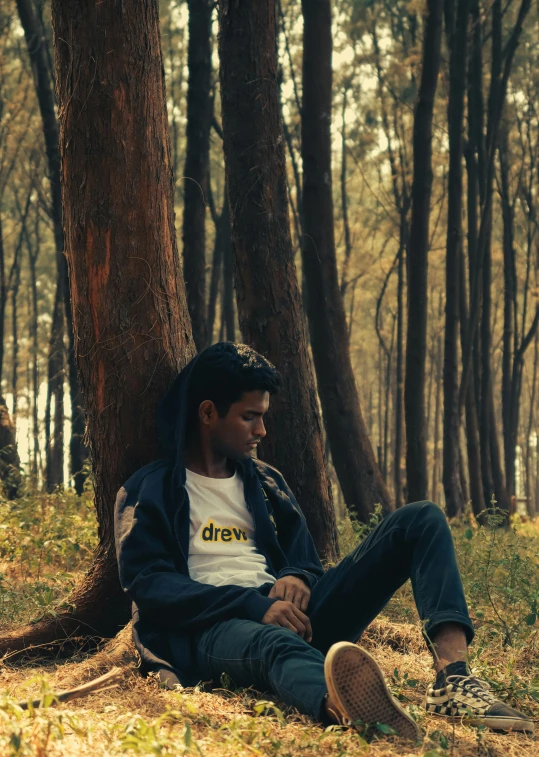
point(45, 544)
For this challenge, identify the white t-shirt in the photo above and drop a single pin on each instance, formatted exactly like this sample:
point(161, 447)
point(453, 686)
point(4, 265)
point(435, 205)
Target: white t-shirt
point(221, 538)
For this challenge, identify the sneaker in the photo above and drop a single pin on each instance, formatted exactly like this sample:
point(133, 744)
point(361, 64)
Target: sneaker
point(357, 688)
point(468, 698)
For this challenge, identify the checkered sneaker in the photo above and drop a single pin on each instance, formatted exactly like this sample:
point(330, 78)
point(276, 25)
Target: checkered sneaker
point(470, 699)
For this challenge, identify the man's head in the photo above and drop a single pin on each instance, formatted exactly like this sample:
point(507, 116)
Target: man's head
point(229, 393)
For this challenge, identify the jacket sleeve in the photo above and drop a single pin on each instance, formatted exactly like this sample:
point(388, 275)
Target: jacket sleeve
point(145, 547)
point(294, 538)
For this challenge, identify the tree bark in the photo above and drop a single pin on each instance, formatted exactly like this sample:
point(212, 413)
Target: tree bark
point(399, 378)
point(532, 505)
point(195, 188)
point(457, 28)
point(227, 304)
point(216, 278)
point(54, 409)
point(268, 297)
point(132, 330)
point(351, 451)
point(438, 394)
point(33, 253)
point(416, 339)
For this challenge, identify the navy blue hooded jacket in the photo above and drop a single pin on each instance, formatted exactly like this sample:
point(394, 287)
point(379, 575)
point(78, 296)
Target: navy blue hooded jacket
point(152, 546)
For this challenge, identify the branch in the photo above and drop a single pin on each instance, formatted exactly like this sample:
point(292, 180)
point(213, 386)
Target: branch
point(104, 682)
point(529, 336)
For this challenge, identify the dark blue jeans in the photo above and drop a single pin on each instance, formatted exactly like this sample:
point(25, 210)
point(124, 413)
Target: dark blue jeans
point(414, 542)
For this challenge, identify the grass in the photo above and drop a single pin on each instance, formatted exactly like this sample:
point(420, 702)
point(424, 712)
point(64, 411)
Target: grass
point(45, 544)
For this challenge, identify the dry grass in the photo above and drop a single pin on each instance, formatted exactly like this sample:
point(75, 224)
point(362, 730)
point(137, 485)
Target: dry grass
point(139, 718)
point(224, 724)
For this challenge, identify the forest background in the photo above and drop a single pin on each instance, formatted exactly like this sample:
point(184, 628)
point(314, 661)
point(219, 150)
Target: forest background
point(424, 300)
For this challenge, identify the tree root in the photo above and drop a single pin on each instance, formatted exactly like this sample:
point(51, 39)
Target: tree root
point(118, 652)
point(97, 609)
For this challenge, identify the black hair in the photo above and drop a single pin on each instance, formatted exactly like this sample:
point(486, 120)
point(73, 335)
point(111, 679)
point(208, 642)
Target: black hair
point(223, 372)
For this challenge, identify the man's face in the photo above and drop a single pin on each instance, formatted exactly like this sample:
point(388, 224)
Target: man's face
point(237, 434)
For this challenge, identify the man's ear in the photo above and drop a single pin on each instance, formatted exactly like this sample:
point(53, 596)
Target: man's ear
point(206, 412)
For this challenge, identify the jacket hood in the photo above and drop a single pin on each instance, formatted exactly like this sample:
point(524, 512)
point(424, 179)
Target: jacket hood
point(171, 419)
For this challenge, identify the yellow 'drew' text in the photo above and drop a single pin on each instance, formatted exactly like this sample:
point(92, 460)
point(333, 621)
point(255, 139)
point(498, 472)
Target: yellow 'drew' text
point(214, 533)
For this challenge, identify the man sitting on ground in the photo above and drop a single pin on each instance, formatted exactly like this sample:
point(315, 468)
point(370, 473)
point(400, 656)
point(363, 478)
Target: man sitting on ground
point(224, 577)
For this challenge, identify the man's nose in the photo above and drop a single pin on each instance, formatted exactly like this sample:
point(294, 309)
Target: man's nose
point(260, 429)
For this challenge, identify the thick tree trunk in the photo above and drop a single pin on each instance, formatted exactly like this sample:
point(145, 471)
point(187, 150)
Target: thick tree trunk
point(195, 188)
point(416, 339)
point(269, 301)
point(457, 27)
point(40, 60)
point(132, 330)
point(351, 451)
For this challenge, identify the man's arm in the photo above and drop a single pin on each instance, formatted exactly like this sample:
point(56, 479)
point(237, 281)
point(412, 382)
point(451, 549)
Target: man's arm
point(145, 548)
point(294, 538)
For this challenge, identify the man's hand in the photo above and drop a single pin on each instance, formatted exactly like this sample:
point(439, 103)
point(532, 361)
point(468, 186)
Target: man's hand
point(286, 615)
point(293, 589)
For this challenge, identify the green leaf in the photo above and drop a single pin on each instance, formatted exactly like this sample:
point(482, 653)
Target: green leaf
point(530, 619)
point(387, 730)
point(468, 533)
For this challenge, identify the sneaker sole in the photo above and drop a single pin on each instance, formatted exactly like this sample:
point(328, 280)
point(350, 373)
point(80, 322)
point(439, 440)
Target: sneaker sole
point(495, 723)
point(357, 685)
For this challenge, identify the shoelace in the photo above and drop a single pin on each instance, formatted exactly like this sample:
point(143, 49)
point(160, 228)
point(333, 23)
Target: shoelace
point(475, 686)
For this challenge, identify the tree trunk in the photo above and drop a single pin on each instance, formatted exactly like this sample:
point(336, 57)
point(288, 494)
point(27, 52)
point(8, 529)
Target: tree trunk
point(33, 253)
point(15, 286)
point(3, 298)
point(509, 298)
point(531, 504)
point(399, 378)
point(438, 393)
point(9, 457)
point(195, 188)
point(344, 202)
point(416, 340)
point(457, 27)
point(269, 301)
point(39, 58)
point(358, 473)
point(216, 276)
point(132, 330)
point(227, 305)
point(54, 436)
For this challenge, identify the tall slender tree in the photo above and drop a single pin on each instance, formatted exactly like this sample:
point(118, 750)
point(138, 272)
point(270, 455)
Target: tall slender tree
point(268, 297)
point(416, 337)
point(456, 20)
point(195, 187)
point(351, 451)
